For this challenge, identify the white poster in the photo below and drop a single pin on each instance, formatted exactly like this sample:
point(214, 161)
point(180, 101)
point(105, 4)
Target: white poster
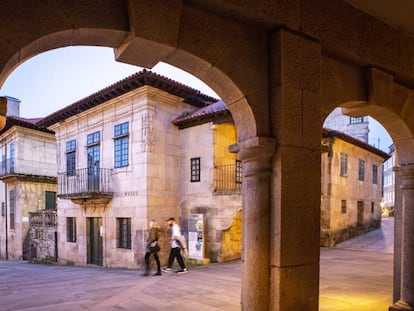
point(196, 236)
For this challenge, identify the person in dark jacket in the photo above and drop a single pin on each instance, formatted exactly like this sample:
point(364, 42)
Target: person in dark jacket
point(153, 247)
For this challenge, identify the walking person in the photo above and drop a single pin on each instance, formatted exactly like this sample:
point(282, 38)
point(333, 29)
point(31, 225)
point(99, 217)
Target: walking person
point(175, 248)
point(153, 247)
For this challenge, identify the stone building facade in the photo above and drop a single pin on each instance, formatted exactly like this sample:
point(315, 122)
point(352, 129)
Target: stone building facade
point(281, 67)
point(122, 161)
point(351, 178)
point(28, 181)
point(355, 127)
point(205, 135)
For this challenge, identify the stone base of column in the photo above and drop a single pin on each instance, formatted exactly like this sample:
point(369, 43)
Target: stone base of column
point(400, 305)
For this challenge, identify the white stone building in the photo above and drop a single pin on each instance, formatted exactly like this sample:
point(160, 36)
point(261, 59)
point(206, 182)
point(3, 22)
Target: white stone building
point(389, 182)
point(122, 162)
point(28, 180)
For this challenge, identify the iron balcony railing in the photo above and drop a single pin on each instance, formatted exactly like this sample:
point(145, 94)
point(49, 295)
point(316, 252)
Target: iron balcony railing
point(44, 218)
point(228, 179)
point(27, 167)
point(85, 182)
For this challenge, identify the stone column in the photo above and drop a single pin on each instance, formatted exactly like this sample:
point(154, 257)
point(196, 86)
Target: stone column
point(406, 302)
point(256, 154)
point(296, 181)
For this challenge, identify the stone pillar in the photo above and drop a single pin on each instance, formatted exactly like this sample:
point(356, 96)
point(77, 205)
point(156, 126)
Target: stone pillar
point(296, 181)
point(256, 154)
point(406, 302)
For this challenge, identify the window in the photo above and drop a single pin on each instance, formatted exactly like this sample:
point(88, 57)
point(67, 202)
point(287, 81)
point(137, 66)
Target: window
point(374, 174)
point(344, 165)
point(372, 207)
point(3, 164)
point(12, 201)
point(93, 138)
point(121, 145)
point(3, 209)
point(361, 170)
point(124, 232)
point(356, 120)
point(12, 156)
point(195, 169)
point(343, 206)
point(71, 157)
point(93, 151)
point(71, 229)
point(239, 172)
point(50, 200)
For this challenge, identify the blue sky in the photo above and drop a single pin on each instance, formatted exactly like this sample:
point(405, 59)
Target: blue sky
point(57, 78)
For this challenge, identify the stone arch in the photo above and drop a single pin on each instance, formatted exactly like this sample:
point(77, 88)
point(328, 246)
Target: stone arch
point(370, 91)
point(221, 52)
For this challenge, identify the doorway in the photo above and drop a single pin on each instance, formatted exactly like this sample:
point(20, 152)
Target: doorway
point(95, 240)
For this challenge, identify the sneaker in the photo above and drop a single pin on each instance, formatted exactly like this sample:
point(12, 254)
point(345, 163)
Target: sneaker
point(182, 271)
point(166, 269)
point(157, 273)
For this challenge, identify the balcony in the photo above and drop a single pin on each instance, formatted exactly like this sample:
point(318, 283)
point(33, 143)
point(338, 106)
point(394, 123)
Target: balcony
point(92, 185)
point(28, 170)
point(44, 218)
point(228, 179)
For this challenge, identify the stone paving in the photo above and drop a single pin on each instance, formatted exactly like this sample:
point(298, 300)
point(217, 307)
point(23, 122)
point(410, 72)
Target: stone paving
point(355, 275)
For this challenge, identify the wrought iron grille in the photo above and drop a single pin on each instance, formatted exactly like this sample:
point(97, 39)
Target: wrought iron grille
point(85, 181)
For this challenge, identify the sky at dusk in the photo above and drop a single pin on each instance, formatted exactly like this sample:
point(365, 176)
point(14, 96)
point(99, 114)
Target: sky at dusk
point(58, 78)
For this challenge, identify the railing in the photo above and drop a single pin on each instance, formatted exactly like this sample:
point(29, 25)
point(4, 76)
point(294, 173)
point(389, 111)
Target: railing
point(45, 218)
point(27, 167)
point(227, 179)
point(84, 182)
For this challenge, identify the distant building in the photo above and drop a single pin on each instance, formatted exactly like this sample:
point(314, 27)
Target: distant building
point(355, 127)
point(351, 181)
point(28, 180)
point(389, 181)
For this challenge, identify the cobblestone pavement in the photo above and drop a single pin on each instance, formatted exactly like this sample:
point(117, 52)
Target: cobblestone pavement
point(354, 276)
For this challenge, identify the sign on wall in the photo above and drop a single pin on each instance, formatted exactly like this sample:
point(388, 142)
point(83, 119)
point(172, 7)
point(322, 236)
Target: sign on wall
point(196, 236)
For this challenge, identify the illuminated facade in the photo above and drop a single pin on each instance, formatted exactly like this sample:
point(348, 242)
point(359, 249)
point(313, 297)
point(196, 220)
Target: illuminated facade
point(122, 161)
point(351, 193)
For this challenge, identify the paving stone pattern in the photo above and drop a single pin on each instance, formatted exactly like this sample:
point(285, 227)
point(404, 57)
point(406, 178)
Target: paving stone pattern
point(354, 276)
